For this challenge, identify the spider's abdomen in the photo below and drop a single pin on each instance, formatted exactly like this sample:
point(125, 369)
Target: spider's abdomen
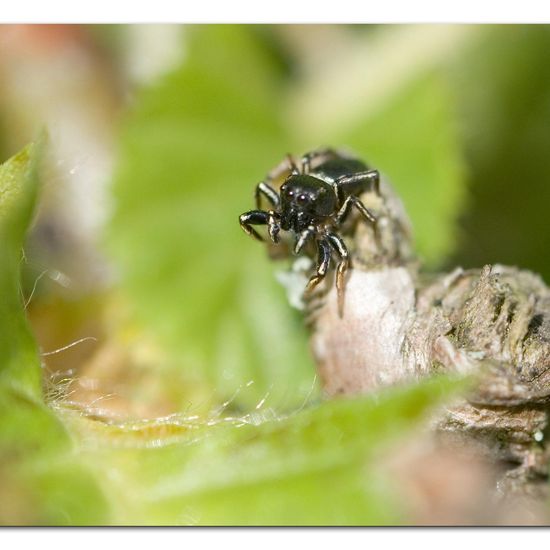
point(332, 169)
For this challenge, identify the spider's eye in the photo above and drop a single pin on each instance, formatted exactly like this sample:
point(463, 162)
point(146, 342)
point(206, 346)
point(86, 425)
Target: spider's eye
point(302, 199)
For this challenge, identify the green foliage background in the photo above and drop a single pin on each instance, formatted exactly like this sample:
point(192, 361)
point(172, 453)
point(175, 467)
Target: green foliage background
point(286, 471)
point(189, 152)
point(462, 137)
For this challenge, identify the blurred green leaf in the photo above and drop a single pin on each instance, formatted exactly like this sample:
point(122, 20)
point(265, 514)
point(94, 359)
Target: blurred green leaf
point(19, 365)
point(413, 140)
point(504, 100)
point(387, 96)
point(39, 481)
point(321, 466)
point(192, 151)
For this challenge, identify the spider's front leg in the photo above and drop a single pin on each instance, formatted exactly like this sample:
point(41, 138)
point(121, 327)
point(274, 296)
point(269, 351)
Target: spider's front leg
point(339, 246)
point(323, 261)
point(261, 217)
point(303, 238)
point(264, 189)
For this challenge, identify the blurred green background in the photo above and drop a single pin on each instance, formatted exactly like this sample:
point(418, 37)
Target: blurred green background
point(157, 135)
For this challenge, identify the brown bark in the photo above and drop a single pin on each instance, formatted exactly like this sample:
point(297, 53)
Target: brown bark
point(400, 325)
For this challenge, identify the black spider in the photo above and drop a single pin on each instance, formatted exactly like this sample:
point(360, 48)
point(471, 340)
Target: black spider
point(313, 203)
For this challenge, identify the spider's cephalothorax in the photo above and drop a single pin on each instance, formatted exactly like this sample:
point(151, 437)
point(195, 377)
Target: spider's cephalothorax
point(305, 200)
point(313, 202)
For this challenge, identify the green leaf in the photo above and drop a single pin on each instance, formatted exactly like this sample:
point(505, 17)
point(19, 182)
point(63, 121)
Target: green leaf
point(413, 140)
point(192, 152)
point(43, 481)
point(504, 82)
point(19, 364)
point(321, 466)
point(40, 480)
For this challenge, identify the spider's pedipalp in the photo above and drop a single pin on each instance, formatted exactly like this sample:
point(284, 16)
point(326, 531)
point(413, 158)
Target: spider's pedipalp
point(260, 217)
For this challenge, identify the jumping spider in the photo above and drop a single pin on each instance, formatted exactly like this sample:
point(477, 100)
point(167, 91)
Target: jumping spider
point(313, 202)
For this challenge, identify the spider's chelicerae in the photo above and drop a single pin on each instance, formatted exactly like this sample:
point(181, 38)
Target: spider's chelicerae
point(313, 202)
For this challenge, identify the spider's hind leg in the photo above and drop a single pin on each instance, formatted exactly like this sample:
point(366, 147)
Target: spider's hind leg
point(286, 167)
point(355, 184)
point(344, 211)
point(326, 154)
